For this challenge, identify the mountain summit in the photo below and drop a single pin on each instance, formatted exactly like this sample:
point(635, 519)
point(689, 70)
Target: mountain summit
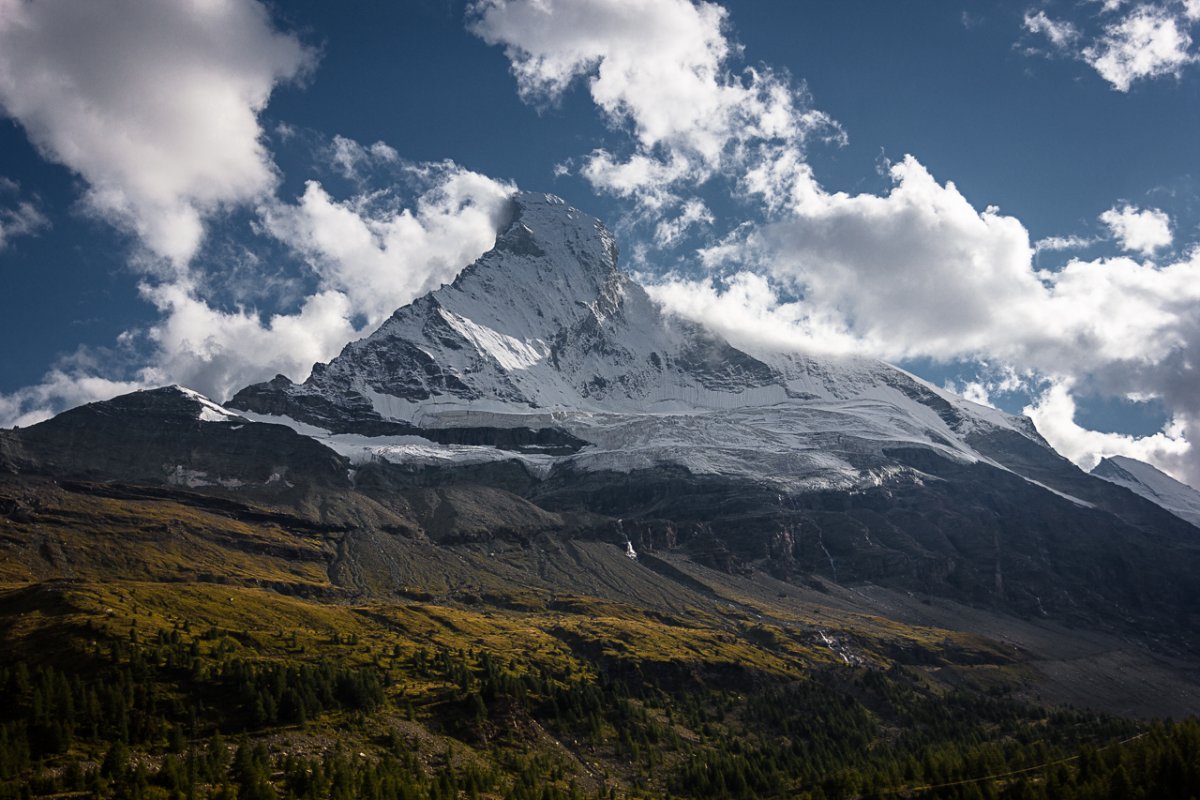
point(543, 321)
point(545, 335)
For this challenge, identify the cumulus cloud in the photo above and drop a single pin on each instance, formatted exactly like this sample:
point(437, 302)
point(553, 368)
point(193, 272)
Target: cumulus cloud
point(751, 312)
point(380, 256)
point(368, 260)
point(1054, 414)
point(154, 103)
point(916, 266)
point(918, 272)
point(1140, 230)
point(658, 68)
point(1149, 40)
point(218, 352)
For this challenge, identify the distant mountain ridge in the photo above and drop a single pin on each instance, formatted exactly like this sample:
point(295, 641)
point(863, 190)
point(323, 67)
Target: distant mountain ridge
point(1153, 484)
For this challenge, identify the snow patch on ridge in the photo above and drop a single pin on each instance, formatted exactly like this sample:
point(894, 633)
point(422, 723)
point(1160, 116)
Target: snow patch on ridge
point(209, 411)
point(511, 353)
point(412, 450)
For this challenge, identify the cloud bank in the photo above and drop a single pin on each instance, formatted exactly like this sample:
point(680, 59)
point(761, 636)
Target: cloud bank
point(154, 103)
point(659, 69)
point(920, 273)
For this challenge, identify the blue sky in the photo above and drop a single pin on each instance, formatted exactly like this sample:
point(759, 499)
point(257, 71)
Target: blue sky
point(1002, 198)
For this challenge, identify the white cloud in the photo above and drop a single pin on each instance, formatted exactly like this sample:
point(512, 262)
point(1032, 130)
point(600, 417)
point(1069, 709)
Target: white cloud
point(1052, 243)
point(1054, 414)
point(22, 219)
point(384, 257)
point(1149, 40)
point(991, 379)
point(918, 266)
point(154, 102)
point(1148, 43)
point(975, 391)
point(58, 390)
point(748, 310)
point(1138, 230)
point(350, 157)
point(694, 213)
point(658, 68)
point(1060, 32)
point(920, 273)
point(218, 352)
point(369, 261)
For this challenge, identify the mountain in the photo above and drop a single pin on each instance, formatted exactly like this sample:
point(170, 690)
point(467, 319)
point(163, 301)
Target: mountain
point(544, 378)
point(535, 526)
point(1156, 486)
point(545, 352)
point(543, 391)
point(547, 368)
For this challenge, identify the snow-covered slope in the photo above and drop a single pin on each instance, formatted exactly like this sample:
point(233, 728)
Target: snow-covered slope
point(1139, 477)
point(546, 333)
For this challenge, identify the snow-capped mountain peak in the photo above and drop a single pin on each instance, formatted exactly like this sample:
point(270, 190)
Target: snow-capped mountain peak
point(545, 320)
point(546, 333)
point(1153, 484)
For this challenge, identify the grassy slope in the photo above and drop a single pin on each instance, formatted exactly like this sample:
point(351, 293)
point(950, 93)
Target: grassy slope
point(252, 588)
